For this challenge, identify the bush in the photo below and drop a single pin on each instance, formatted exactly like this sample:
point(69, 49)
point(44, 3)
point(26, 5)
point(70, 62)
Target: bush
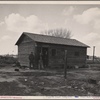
point(7, 60)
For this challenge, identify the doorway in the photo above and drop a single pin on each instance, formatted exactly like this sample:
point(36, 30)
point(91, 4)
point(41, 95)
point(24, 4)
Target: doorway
point(45, 56)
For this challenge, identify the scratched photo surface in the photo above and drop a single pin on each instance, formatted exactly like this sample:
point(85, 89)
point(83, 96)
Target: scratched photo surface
point(49, 49)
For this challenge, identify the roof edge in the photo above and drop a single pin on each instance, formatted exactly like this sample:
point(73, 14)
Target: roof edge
point(19, 39)
point(26, 33)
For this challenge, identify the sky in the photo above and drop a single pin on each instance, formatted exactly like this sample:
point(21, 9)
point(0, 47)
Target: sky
point(82, 20)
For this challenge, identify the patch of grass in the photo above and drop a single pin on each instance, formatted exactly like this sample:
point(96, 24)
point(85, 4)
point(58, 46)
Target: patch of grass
point(5, 60)
point(11, 89)
point(46, 83)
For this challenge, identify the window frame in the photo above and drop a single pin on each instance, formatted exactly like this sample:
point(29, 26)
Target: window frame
point(53, 52)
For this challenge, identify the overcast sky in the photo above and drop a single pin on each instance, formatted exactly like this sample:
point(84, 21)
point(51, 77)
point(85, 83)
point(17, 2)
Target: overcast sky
point(82, 20)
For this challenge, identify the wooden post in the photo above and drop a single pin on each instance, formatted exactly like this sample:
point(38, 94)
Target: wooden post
point(93, 53)
point(65, 66)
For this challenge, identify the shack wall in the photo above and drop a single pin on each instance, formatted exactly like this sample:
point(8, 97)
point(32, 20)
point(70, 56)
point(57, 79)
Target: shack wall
point(58, 59)
point(24, 49)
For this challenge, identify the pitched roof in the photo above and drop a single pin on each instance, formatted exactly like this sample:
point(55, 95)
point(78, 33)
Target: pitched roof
point(52, 40)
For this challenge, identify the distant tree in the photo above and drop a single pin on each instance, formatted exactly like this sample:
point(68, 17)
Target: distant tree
point(59, 32)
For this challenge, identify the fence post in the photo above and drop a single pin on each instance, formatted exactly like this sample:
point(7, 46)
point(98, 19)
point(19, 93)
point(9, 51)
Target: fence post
point(65, 65)
point(93, 53)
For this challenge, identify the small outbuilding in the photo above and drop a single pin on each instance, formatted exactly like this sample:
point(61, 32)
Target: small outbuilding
point(52, 50)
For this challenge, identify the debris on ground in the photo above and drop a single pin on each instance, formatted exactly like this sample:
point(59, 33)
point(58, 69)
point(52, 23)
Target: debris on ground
point(16, 69)
point(90, 94)
point(98, 82)
point(76, 66)
point(69, 87)
point(38, 94)
point(25, 80)
point(41, 83)
point(92, 81)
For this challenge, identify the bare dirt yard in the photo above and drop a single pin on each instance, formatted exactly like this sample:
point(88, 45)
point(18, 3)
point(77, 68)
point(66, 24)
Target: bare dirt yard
point(25, 82)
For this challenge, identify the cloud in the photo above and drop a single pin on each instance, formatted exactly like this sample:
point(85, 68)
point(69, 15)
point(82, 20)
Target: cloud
point(6, 37)
point(1, 23)
point(92, 38)
point(97, 24)
point(18, 23)
point(68, 11)
point(90, 16)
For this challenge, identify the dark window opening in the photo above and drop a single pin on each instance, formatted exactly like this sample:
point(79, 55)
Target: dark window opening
point(77, 54)
point(53, 52)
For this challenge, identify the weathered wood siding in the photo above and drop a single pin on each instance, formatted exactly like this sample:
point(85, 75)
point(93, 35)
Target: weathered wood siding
point(72, 60)
point(58, 59)
point(24, 48)
point(76, 60)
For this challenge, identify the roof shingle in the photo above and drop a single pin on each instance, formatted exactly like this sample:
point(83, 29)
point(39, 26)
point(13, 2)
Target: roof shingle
point(54, 40)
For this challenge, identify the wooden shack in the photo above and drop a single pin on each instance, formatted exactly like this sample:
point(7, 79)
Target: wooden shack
point(52, 49)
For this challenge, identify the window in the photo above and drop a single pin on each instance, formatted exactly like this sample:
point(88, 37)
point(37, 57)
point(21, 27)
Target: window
point(77, 54)
point(53, 52)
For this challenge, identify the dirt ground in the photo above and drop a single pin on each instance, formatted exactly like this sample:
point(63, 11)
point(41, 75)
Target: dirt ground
point(27, 82)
